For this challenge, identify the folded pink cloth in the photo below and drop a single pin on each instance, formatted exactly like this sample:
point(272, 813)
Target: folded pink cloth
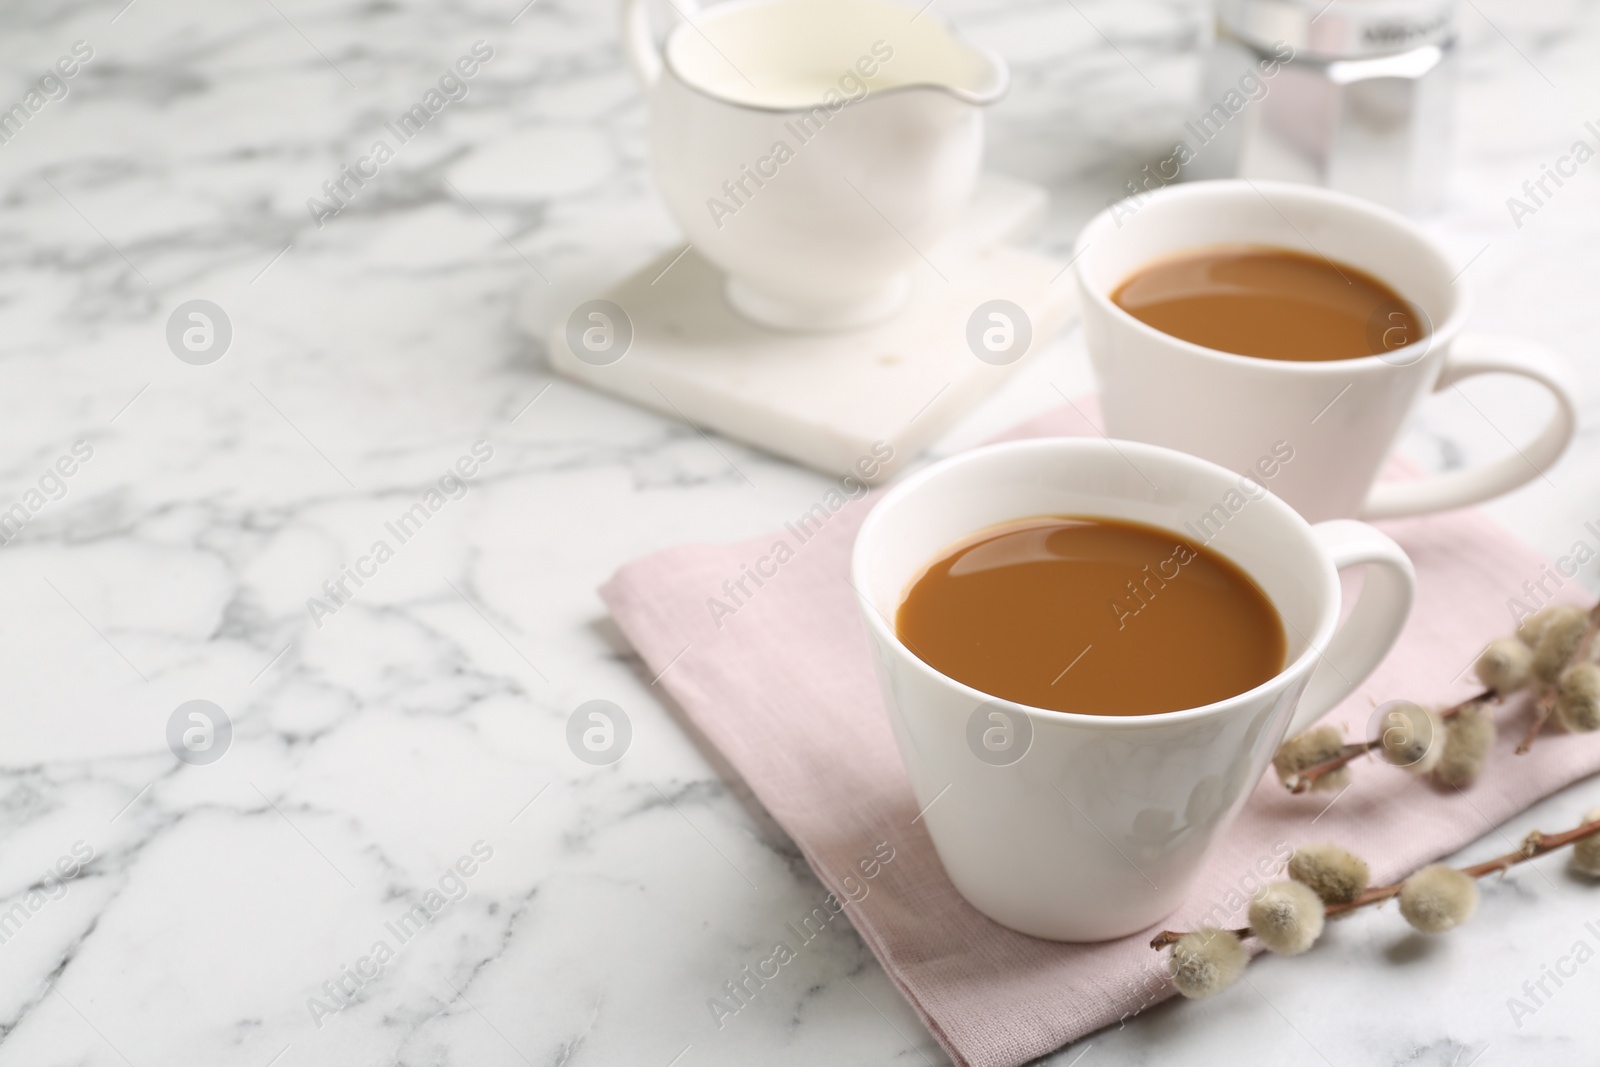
point(781, 681)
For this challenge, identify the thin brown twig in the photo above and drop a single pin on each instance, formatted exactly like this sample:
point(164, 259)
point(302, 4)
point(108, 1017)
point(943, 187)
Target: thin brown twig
point(1299, 783)
point(1304, 780)
point(1485, 697)
point(1536, 844)
point(1541, 715)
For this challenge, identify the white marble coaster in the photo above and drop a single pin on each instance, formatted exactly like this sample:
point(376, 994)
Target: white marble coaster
point(831, 401)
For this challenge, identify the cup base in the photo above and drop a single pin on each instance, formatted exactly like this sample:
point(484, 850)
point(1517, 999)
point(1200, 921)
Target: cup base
point(799, 316)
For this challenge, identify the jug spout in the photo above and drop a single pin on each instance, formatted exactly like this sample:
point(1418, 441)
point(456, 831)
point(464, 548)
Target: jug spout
point(975, 75)
point(784, 55)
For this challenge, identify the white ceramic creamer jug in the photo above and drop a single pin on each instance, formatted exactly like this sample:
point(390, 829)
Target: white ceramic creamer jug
point(814, 149)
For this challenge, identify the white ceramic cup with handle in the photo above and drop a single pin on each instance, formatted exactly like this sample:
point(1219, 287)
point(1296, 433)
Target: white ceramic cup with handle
point(1081, 827)
point(1341, 417)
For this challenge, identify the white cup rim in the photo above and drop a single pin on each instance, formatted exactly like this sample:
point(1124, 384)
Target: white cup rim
point(1257, 191)
point(1301, 666)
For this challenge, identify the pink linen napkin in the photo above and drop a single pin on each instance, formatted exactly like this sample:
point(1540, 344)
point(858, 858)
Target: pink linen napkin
point(784, 687)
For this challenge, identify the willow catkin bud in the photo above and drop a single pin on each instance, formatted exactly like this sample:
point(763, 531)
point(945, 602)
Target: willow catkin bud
point(1206, 961)
point(1558, 640)
point(1578, 698)
point(1529, 630)
point(1303, 751)
point(1586, 853)
point(1438, 898)
point(1413, 736)
point(1505, 666)
point(1334, 875)
point(1287, 918)
point(1468, 736)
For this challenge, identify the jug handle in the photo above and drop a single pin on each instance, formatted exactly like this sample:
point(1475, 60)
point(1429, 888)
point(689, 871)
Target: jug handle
point(643, 55)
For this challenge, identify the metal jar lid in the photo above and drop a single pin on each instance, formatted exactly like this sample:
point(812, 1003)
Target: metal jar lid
point(1340, 29)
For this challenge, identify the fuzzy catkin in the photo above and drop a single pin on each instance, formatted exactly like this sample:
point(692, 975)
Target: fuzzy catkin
point(1206, 961)
point(1530, 629)
point(1302, 751)
point(1558, 640)
point(1586, 852)
point(1287, 918)
point(1438, 898)
point(1334, 875)
point(1505, 666)
point(1578, 698)
point(1412, 737)
point(1468, 736)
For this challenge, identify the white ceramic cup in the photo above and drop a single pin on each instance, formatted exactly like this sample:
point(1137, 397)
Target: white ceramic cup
point(814, 149)
point(1085, 827)
point(1341, 417)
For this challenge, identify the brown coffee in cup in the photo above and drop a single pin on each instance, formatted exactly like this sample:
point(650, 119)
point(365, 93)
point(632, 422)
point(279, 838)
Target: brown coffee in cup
point(1271, 303)
point(1095, 616)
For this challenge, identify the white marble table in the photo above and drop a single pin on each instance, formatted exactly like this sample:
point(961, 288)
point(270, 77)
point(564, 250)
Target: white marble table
point(425, 717)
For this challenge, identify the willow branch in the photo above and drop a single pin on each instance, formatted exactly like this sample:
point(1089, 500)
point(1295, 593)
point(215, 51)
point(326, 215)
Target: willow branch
point(1353, 751)
point(1547, 693)
point(1533, 846)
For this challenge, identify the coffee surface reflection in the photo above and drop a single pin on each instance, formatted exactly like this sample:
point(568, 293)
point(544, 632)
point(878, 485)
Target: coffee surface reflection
point(1095, 616)
point(1271, 303)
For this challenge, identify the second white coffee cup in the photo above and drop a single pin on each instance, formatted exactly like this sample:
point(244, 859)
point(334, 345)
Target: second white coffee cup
point(1340, 418)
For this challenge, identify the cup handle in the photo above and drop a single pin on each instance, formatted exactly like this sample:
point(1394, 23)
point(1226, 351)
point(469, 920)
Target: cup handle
point(1469, 356)
point(643, 56)
point(1366, 636)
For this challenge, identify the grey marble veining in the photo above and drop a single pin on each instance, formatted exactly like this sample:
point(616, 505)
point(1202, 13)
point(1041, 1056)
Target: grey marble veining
point(420, 730)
